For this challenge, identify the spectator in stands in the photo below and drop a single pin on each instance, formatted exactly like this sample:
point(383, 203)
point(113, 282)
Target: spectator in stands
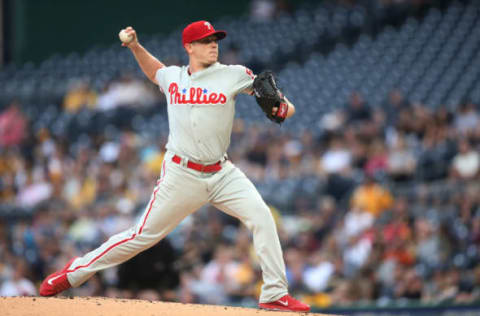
point(357, 110)
point(337, 158)
point(79, 95)
point(9, 165)
point(371, 197)
point(324, 219)
point(466, 164)
point(126, 91)
point(263, 10)
point(467, 118)
point(317, 276)
point(345, 293)
point(410, 285)
point(218, 277)
point(377, 162)
point(356, 222)
point(13, 126)
point(35, 190)
point(449, 287)
point(336, 165)
point(395, 103)
point(436, 151)
point(401, 161)
point(428, 243)
point(357, 251)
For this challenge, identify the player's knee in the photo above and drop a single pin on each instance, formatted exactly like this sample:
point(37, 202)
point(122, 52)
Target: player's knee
point(147, 239)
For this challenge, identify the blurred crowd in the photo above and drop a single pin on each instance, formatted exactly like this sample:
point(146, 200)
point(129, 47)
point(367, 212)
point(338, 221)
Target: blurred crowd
point(398, 216)
point(125, 91)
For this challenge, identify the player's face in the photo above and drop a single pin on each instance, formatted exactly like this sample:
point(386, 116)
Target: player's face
point(205, 50)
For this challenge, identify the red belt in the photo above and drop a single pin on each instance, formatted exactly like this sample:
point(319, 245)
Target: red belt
point(196, 166)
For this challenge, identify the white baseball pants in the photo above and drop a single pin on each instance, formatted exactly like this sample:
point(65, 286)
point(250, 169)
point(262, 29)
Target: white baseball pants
point(179, 192)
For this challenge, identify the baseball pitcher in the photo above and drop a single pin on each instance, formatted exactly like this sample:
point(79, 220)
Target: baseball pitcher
point(196, 170)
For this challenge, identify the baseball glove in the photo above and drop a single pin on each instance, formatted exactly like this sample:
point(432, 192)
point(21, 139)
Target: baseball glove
point(269, 96)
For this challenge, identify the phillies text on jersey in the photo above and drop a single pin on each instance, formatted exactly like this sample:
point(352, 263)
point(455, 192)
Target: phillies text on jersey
point(195, 96)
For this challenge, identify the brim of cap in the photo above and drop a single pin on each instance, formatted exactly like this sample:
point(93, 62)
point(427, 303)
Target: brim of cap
point(219, 34)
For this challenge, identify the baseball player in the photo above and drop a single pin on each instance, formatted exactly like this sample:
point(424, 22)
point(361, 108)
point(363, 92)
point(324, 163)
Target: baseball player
point(195, 170)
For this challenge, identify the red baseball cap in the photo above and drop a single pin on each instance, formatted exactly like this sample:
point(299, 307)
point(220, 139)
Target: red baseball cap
point(198, 30)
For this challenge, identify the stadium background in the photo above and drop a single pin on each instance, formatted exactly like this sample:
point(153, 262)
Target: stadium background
point(374, 183)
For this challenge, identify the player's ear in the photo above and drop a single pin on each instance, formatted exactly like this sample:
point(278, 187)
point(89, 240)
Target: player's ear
point(188, 47)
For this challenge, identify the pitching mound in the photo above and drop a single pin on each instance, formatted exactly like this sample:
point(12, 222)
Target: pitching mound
point(64, 306)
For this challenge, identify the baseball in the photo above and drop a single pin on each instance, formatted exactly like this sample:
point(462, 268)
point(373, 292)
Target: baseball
point(125, 37)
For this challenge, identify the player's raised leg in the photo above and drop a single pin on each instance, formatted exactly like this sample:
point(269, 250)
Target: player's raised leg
point(165, 210)
point(235, 194)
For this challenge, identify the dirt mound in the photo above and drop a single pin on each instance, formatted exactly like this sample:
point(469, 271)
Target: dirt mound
point(65, 306)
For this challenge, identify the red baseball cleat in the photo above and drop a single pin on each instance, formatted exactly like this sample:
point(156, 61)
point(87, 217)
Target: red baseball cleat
point(286, 303)
point(56, 282)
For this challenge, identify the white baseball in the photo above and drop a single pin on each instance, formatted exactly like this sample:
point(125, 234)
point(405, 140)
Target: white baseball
point(125, 37)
